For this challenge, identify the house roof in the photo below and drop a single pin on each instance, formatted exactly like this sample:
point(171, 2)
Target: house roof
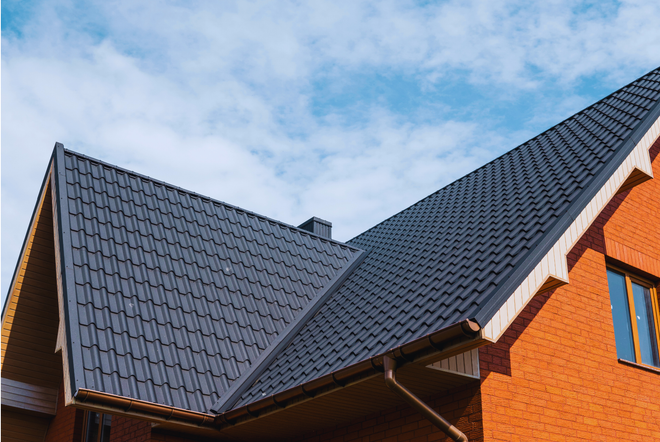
point(460, 252)
point(176, 299)
point(173, 295)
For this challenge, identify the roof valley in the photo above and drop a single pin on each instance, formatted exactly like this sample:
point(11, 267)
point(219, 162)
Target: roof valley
point(284, 339)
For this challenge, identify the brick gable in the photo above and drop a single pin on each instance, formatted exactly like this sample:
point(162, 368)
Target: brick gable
point(554, 375)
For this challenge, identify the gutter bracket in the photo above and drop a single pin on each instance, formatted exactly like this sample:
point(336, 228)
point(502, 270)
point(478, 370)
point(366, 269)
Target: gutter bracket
point(454, 433)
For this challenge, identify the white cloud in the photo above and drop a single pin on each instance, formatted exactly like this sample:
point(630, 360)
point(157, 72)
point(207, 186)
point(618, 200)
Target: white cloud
point(217, 97)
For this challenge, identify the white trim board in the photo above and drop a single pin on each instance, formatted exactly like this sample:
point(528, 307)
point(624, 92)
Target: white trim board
point(554, 267)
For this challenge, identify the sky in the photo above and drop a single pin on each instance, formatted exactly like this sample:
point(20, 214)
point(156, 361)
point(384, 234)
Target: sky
point(346, 110)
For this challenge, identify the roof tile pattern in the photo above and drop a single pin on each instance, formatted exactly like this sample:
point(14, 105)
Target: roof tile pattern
point(441, 260)
point(176, 293)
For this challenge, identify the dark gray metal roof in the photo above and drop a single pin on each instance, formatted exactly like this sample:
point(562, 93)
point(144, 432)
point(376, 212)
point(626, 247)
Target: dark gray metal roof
point(172, 295)
point(459, 253)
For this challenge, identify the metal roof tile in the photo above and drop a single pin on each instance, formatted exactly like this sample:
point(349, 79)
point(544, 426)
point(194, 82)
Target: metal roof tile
point(166, 279)
point(477, 244)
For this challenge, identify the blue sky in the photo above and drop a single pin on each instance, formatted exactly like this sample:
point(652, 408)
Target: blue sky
point(346, 110)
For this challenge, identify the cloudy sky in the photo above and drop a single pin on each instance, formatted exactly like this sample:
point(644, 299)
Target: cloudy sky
point(346, 110)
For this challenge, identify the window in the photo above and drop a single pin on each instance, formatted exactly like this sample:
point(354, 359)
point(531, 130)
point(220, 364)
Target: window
point(96, 427)
point(635, 316)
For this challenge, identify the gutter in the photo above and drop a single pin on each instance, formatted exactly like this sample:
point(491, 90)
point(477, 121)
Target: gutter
point(456, 337)
point(161, 412)
point(426, 411)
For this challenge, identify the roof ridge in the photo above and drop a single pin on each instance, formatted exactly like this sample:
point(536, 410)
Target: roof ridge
point(247, 379)
point(203, 197)
point(509, 152)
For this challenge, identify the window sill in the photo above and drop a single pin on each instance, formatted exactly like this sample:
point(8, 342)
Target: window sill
point(642, 366)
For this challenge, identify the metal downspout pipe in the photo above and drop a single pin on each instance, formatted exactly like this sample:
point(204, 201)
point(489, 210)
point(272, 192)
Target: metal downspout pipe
point(454, 433)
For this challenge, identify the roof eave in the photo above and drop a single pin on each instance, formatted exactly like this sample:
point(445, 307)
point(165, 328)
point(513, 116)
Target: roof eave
point(449, 341)
point(186, 420)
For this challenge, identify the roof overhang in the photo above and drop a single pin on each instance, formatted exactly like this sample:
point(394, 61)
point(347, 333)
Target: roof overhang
point(358, 385)
point(552, 270)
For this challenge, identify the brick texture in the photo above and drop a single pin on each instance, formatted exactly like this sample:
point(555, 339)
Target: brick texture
point(462, 407)
point(554, 375)
point(66, 426)
point(124, 429)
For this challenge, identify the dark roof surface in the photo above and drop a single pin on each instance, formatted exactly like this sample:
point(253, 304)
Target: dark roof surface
point(173, 295)
point(459, 253)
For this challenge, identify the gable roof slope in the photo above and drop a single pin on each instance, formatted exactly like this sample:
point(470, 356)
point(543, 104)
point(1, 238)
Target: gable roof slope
point(171, 295)
point(462, 251)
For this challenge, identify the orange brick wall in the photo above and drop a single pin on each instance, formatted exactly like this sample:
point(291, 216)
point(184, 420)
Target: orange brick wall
point(554, 375)
point(66, 426)
point(631, 224)
point(405, 424)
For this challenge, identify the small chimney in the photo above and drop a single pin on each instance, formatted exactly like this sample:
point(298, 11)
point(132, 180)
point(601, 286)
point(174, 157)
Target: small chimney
point(319, 226)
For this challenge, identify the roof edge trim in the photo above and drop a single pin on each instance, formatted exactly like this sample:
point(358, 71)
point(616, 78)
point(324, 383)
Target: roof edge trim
point(548, 240)
point(283, 340)
point(454, 339)
point(554, 265)
point(61, 201)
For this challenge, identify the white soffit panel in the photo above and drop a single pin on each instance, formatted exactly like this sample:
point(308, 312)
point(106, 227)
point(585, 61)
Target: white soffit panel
point(464, 364)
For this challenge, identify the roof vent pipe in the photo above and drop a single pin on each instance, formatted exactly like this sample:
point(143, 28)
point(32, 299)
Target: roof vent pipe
point(318, 226)
point(454, 433)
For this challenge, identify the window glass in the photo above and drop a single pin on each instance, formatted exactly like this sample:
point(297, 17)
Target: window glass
point(648, 345)
point(92, 432)
point(97, 427)
point(105, 429)
point(621, 316)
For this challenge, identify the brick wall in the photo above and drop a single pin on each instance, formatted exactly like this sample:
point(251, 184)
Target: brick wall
point(554, 375)
point(461, 406)
point(124, 429)
point(66, 426)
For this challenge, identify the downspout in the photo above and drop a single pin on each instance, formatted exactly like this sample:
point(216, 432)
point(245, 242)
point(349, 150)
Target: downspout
point(454, 433)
